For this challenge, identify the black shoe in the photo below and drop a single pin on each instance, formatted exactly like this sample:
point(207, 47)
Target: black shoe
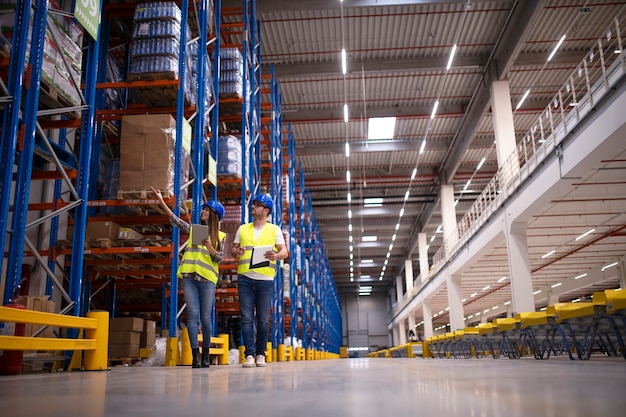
point(195, 355)
point(206, 359)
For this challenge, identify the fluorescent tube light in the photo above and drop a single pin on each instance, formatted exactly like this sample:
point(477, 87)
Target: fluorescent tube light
point(501, 279)
point(585, 234)
point(451, 57)
point(367, 261)
point(580, 276)
point(369, 238)
point(344, 65)
point(548, 254)
point(423, 146)
point(406, 195)
point(347, 150)
point(348, 176)
point(413, 173)
point(608, 266)
point(522, 100)
point(486, 288)
point(556, 48)
point(558, 284)
point(432, 115)
point(349, 196)
point(536, 292)
point(480, 164)
point(349, 214)
point(345, 113)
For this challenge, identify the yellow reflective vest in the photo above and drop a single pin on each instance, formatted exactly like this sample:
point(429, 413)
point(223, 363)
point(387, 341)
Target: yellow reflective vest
point(197, 259)
point(246, 241)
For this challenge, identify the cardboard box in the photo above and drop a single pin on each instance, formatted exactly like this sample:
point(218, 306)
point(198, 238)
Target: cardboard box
point(163, 160)
point(147, 123)
point(123, 351)
point(126, 233)
point(147, 340)
point(134, 324)
point(131, 180)
point(102, 230)
point(124, 337)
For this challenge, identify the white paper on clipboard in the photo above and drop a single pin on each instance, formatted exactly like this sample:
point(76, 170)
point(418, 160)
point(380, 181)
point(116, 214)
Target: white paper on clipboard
point(258, 259)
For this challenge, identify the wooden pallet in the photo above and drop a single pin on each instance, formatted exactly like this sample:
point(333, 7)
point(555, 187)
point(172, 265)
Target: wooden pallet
point(123, 361)
point(142, 194)
point(51, 98)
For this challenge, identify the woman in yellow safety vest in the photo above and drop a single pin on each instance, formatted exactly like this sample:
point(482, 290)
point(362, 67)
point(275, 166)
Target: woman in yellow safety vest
point(199, 270)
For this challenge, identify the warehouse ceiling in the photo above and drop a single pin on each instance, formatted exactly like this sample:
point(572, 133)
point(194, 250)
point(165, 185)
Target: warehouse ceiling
point(397, 57)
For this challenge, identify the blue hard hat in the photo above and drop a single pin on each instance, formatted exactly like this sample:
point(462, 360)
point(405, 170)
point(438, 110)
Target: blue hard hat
point(266, 200)
point(216, 206)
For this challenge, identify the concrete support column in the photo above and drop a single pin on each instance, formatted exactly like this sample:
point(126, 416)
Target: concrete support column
point(622, 272)
point(503, 127)
point(396, 336)
point(408, 274)
point(519, 268)
point(411, 319)
point(423, 254)
point(553, 297)
point(428, 319)
point(399, 288)
point(401, 333)
point(456, 314)
point(448, 213)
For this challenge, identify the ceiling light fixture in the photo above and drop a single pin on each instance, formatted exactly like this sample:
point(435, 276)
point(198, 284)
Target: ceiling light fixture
point(347, 150)
point(501, 279)
point(345, 113)
point(523, 99)
point(558, 284)
point(481, 163)
point(536, 292)
point(608, 266)
point(556, 48)
point(486, 288)
point(406, 195)
point(367, 261)
point(348, 177)
point(423, 146)
point(588, 232)
point(344, 64)
point(580, 276)
point(451, 57)
point(369, 238)
point(432, 115)
point(548, 254)
point(414, 173)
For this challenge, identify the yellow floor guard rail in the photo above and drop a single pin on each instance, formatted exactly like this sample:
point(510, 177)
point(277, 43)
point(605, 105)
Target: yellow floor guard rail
point(95, 344)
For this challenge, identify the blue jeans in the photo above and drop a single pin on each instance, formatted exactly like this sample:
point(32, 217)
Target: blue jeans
point(255, 294)
point(199, 296)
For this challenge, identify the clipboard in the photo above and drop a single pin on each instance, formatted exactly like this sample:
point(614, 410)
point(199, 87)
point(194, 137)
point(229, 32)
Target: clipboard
point(257, 258)
point(199, 232)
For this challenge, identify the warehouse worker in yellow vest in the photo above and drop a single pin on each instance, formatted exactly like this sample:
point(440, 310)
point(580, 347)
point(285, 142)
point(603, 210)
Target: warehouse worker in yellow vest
point(199, 271)
point(256, 283)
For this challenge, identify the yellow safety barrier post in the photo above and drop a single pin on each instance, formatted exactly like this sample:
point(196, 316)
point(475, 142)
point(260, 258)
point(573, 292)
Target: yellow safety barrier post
point(242, 354)
point(269, 353)
point(98, 359)
point(343, 352)
point(220, 349)
point(281, 353)
point(185, 355)
point(171, 351)
point(300, 354)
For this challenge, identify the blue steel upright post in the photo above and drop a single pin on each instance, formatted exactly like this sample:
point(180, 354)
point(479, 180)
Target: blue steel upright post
point(10, 128)
point(88, 128)
point(25, 159)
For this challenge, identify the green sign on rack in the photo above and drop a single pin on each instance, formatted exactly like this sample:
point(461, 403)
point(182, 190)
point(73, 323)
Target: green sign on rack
point(87, 12)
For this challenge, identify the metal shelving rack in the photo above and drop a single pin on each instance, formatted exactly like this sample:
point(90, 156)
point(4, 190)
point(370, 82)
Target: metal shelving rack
point(21, 129)
point(23, 136)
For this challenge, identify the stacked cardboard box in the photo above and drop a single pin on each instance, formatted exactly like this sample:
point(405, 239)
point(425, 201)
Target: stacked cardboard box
point(147, 152)
point(148, 336)
point(125, 337)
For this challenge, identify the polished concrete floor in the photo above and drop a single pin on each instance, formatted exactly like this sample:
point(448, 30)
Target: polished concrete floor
point(343, 387)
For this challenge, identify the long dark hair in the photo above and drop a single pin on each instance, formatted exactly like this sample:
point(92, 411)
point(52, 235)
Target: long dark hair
point(214, 227)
